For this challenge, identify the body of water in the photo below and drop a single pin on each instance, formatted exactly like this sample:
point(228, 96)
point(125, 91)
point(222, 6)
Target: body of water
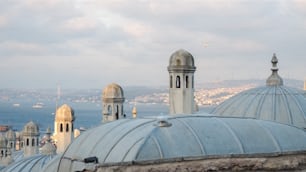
point(88, 115)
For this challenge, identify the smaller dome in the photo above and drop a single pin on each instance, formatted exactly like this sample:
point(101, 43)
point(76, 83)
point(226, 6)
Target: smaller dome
point(32, 163)
point(48, 149)
point(3, 141)
point(181, 60)
point(31, 129)
point(11, 135)
point(113, 91)
point(65, 113)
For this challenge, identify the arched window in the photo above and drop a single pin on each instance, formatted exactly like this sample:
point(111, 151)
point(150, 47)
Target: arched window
point(12, 145)
point(109, 109)
point(27, 142)
point(61, 127)
point(171, 81)
point(67, 127)
point(33, 142)
point(178, 82)
point(178, 62)
point(117, 112)
point(2, 152)
point(187, 81)
point(37, 141)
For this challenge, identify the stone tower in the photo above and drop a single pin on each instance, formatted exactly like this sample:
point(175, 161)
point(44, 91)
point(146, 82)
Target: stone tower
point(181, 75)
point(30, 139)
point(3, 148)
point(113, 99)
point(305, 84)
point(63, 127)
point(11, 138)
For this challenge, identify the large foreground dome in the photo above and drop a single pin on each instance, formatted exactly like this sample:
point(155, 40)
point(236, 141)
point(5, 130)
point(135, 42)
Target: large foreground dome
point(142, 139)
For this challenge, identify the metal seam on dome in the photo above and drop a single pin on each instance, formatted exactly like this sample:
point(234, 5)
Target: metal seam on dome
point(265, 93)
point(124, 135)
point(39, 158)
point(195, 135)
point(63, 154)
point(155, 141)
point(274, 104)
point(238, 141)
point(296, 101)
point(22, 163)
point(285, 99)
point(158, 147)
point(127, 152)
point(106, 133)
point(275, 141)
point(225, 105)
point(256, 93)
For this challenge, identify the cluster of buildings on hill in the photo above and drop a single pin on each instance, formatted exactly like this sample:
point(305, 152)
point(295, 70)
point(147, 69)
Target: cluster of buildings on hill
point(259, 129)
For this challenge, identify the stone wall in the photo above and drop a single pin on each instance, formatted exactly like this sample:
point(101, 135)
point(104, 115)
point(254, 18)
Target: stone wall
point(289, 162)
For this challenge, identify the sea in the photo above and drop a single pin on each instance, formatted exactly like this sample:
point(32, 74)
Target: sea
point(87, 114)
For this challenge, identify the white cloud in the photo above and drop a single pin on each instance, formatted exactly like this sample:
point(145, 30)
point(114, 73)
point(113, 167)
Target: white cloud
point(132, 40)
point(3, 21)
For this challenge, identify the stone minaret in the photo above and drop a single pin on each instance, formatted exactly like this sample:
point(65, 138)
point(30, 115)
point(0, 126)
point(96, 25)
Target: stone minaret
point(181, 75)
point(113, 99)
point(63, 127)
point(3, 149)
point(274, 79)
point(11, 138)
point(30, 139)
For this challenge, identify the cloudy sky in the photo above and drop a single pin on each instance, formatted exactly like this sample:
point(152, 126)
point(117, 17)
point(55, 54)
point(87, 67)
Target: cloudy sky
point(90, 43)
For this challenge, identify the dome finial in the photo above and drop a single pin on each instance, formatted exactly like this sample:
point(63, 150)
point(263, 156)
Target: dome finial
point(134, 111)
point(274, 79)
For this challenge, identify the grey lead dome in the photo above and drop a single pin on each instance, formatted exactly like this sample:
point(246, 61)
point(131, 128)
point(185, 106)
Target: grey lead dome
point(142, 139)
point(274, 102)
point(113, 91)
point(181, 60)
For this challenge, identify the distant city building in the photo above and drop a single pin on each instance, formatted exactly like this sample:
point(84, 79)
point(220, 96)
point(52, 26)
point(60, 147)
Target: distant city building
point(181, 87)
point(4, 128)
point(113, 100)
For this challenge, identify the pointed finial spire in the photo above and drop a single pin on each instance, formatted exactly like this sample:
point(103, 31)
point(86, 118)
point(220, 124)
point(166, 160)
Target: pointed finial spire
point(134, 111)
point(274, 79)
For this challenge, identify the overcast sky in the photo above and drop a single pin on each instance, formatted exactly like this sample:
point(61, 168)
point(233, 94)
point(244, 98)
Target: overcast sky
point(90, 43)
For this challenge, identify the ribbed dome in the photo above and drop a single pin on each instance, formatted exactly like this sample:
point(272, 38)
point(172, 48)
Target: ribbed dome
point(3, 141)
point(33, 163)
point(113, 91)
point(64, 113)
point(141, 139)
point(273, 102)
point(31, 129)
point(278, 103)
point(181, 60)
point(11, 135)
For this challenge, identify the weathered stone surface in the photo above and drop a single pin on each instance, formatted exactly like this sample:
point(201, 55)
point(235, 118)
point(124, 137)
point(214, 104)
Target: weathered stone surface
point(293, 162)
